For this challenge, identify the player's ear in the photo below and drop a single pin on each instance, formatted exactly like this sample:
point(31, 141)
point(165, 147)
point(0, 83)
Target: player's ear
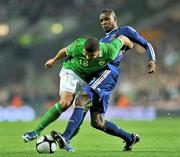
point(115, 19)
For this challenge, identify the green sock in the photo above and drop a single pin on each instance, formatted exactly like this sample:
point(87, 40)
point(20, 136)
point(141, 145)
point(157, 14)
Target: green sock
point(50, 116)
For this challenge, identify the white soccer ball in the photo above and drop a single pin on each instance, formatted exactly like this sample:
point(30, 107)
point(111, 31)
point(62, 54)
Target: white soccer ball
point(46, 144)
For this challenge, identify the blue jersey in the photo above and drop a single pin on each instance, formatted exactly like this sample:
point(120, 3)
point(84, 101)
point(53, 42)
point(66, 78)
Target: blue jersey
point(134, 36)
point(100, 87)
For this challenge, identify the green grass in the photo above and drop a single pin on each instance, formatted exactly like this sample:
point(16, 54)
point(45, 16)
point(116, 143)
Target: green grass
point(160, 138)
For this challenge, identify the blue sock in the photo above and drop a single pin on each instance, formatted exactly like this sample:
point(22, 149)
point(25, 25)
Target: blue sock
point(73, 123)
point(78, 127)
point(114, 130)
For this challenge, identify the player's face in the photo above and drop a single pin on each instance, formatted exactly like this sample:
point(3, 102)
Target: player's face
point(108, 22)
point(91, 55)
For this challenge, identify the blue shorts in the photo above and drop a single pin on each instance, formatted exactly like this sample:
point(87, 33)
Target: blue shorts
point(100, 88)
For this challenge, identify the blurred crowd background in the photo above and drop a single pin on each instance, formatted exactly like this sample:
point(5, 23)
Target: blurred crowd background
point(33, 31)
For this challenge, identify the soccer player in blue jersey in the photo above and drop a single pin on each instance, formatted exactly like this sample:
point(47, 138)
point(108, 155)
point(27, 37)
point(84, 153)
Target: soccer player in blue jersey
point(100, 88)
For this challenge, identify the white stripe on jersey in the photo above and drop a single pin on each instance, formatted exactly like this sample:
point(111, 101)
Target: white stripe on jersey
point(101, 78)
point(152, 51)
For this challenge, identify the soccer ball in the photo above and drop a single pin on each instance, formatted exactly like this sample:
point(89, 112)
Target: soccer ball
point(46, 144)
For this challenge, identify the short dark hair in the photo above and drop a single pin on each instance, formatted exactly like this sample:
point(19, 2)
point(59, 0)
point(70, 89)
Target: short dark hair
point(109, 11)
point(91, 44)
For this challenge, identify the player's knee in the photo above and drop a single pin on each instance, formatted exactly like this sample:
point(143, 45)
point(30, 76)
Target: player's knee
point(97, 124)
point(66, 101)
point(82, 100)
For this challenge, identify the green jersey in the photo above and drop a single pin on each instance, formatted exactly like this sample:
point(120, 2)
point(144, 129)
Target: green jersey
point(83, 67)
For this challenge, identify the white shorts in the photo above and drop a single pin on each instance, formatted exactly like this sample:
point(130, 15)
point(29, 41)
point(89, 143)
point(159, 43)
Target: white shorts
point(71, 82)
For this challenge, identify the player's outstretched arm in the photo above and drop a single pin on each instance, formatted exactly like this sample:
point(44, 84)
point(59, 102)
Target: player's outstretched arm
point(61, 53)
point(151, 66)
point(126, 41)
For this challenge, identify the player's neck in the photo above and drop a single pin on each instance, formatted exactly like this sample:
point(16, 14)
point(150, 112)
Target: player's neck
point(112, 30)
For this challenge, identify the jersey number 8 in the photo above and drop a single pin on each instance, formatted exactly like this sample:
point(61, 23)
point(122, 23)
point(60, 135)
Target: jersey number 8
point(83, 62)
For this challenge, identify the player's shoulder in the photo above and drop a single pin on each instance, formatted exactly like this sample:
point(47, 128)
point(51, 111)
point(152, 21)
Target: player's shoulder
point(79, 45)
point(79, 42)
point(127, 28)
point(102, 45)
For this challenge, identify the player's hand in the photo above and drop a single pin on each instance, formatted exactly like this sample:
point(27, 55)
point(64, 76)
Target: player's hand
point(151, 66)
point(49, 63)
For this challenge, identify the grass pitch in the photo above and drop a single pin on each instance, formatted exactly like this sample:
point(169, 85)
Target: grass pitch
point(159, 138)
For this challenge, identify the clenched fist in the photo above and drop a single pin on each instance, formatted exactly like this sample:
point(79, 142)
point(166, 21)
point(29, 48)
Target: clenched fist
point(151, 66)
point(49, 63)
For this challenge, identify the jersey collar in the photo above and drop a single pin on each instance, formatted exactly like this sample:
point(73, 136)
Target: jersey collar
point(113, 30)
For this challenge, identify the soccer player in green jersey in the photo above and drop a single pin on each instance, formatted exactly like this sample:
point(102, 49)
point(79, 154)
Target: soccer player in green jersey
point(84, 59)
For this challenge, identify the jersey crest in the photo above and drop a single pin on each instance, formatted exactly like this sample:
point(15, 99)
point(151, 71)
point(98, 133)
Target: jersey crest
point(102, 62)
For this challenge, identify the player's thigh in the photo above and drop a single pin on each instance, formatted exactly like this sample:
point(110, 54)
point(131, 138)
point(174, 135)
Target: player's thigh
point(66, 99)
point(82, 99)
point(70, 82)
